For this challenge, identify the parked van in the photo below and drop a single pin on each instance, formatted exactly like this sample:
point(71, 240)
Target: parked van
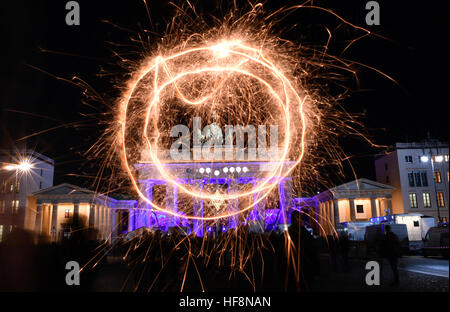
point(355, 230)
point(417, 225)
point(435, 242)
point(375, 235)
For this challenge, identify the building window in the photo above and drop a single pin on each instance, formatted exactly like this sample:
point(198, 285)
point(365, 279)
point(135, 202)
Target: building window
point(15, 206)
point(418, 181)
point(426, 200)
point(4, 187)
point(11, 188)
point(446, 158)
point(67, 213)
point(387, 179)
point(437, 177)
point(2, 206)
point(411, 179)
point(440, 199)
point(385, 166)
point(359, 208)
point(413, 200)
point(408, 159)
point(1, 233)
point(424, 179)
point(17, 187)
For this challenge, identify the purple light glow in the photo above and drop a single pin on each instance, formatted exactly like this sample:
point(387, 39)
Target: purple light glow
point(156, 219)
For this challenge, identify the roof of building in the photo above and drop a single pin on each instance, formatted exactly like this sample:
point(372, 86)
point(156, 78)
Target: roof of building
point(423, 144)
point(361, 184)
point(66, 191)
point(358, 186)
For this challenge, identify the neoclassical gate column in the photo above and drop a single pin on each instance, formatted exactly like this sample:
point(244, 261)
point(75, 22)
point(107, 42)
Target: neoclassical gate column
point(172, 204)
point(38, 220)
point(258, 213)
point(54, 229)
point(103, 221)
point(373, 206)
point(96, 216)
point(233, 204)
point(336, 212)
point(148, 208)
point(285, 198)
point(328, 216)
point(143, 213)
point(113, 223)
point(198, 209)
point(108, 222)
point(91, 215)
point(131, 219)
point(176, 219)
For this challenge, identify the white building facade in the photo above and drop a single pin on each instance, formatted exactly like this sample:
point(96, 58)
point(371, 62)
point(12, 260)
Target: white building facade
point(21, 174)
point(419, 172)
point(358, 200)
point(54, 213)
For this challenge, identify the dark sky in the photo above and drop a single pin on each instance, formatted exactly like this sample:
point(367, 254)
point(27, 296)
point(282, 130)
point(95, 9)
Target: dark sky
point(33, 101)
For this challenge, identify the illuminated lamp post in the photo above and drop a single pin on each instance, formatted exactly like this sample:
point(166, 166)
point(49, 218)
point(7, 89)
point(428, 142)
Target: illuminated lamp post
point(425, 159)
point(22, 167)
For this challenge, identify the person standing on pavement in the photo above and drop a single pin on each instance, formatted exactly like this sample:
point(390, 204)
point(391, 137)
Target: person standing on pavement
point(391, 250)
point(344, 247)
point(303, 242)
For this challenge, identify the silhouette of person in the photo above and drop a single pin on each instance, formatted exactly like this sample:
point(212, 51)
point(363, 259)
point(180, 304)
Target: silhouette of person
point(391, 250)
point(303, 240)
point(333, 250)
point(344, 245)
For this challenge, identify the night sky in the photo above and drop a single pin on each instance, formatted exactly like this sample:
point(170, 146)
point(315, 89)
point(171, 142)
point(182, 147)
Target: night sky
point(38, 46)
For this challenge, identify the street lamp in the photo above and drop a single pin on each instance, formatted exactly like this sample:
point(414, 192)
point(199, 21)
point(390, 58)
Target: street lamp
point(23, 167)
point(425, 159)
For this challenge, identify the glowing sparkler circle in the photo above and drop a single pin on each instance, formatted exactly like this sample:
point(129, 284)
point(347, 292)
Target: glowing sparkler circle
point(218, 51)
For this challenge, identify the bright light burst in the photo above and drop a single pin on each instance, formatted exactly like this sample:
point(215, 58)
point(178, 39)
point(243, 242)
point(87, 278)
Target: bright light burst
point(24, 166)
point(225, 77)
point(238, 69)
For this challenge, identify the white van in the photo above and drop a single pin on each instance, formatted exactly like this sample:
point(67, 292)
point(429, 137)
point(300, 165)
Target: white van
point(356, 230)
point(375, 235)
point(417, 226)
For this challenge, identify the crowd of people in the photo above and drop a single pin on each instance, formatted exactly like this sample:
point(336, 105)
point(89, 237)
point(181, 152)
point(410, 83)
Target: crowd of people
point(238, 260)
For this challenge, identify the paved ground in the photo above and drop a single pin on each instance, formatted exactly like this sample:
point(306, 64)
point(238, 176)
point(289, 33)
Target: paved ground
point(417, 274)
point(428, 266)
